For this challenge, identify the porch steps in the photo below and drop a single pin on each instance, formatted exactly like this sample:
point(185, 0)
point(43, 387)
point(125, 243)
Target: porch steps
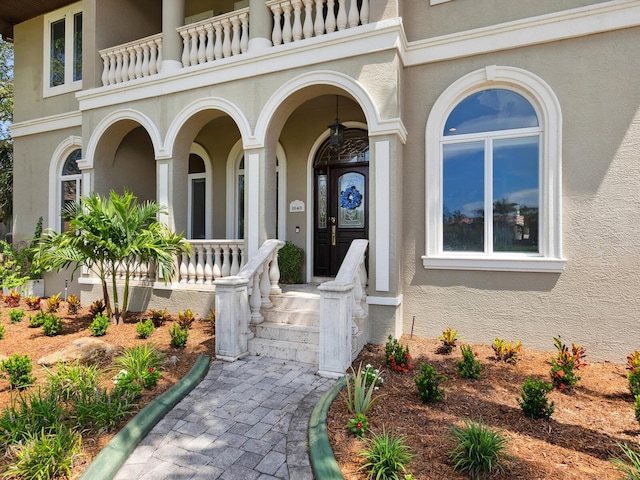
point(290, 330)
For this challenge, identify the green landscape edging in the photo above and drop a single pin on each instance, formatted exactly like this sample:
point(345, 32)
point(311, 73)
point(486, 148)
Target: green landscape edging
point(323, 462)
point(107, 463)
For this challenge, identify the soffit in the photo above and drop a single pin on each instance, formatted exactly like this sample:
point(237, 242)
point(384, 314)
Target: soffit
point(13, 12)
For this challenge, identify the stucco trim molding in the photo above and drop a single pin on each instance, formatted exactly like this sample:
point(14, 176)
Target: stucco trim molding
point(387, 301)
point(46, 124)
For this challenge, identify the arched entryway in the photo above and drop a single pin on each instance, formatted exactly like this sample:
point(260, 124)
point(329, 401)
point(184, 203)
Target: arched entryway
point(341, 180)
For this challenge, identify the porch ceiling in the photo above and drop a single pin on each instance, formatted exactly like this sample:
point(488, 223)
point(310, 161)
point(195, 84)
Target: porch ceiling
point(13, 12)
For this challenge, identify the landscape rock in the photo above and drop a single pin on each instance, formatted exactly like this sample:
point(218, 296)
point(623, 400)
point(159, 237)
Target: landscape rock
point(84, 350)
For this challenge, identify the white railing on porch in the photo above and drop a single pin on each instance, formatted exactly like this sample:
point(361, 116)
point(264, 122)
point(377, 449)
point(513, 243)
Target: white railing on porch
point(294, 20)
point(342, 307)
point(132, 60)
point(215, 38)
point(239, 299)
point(211, 259)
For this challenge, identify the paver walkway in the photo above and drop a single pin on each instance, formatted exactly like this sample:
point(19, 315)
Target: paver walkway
point(246, 420)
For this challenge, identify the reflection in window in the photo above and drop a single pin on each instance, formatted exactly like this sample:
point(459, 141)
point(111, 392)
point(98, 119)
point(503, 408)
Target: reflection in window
point(490, 170)
point(70, 179)
point(63, 44)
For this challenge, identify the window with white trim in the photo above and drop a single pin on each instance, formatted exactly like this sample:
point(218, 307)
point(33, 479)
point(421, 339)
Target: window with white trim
point(63, 50)
point(493, 175)
point(70, 183)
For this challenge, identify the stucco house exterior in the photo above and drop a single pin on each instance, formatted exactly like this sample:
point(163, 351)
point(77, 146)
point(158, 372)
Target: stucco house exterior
point(488, 151)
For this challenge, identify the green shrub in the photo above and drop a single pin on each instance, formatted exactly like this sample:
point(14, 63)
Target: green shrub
point(29, 413)
point(38, 319)
point(16, 315)
point(126, 385)
point(479, 450)
point(145, 328)
point(359, 398)
point(534, 402)
point(636, 407)
point(45, 454)
point(428, 383)
point(178, 335)
point(3, 330)
point(52, 325)
point(99, 325)
point(290, 261)
point(469, 366)
point(101, 410)
point(18, 368)
point(70, 381)
point(397, 356)
point(358, 425)
point(141, 364)
point(629, 465)
point(386, 456)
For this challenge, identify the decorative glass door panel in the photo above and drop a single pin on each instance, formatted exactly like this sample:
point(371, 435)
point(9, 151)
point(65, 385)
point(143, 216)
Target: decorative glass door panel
point(351, 200)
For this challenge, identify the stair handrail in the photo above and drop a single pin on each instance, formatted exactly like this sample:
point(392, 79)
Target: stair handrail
point(340, 302)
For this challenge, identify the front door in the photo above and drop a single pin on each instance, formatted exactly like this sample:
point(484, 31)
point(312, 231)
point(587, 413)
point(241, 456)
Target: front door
point(341, 201)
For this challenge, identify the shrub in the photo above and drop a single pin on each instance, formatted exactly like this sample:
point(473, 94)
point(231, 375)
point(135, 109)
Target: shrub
point(178, 335)
point(629, 465)
point(428, 383)
point(102, 410)
point(507, 352)
point(633, 365)
point(636, 406)
point(565, 365)
point(18, 368)
point(73, 304)
point(70, 381)
point(141, 363)
point(358, 425)
point(145, 328)
point(158, 317)
point(359, 398)
point(469, 366)
point(448, 339)
point(53, 303)
point(13, 299)
point(386, 456)
point(290, 261)
point(52, 325)
point(372, 375)
point(397, 356)
point(479, 450)
point(125, 385)
point(533, 401)
point(97, 307)
point(16, 315)
point(29, 413)
point(46, 454)
point(33, 302)
point(185, 319)
point(99, 325)
point(38, 319)
point(3, 330)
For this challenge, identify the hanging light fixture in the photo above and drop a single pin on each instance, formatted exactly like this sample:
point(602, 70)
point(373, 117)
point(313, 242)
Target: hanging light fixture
point(336, 129)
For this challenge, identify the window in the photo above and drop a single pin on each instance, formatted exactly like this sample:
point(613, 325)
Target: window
point(63, 50)
point(69, 186)
point(199, 193)
point(493, 170)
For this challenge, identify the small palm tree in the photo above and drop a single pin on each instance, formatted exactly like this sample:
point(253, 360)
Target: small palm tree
point(110, 233)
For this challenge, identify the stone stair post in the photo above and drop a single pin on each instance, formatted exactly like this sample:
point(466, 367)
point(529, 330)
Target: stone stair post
point(232, 318)
point(336, 311)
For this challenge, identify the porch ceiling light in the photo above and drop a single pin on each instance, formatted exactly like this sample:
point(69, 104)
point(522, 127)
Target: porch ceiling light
point(336, 129)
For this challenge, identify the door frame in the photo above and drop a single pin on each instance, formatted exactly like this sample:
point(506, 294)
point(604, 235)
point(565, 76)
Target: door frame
point(310, 207)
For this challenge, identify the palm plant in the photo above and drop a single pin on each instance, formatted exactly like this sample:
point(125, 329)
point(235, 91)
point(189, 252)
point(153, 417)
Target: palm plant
point(109, 233)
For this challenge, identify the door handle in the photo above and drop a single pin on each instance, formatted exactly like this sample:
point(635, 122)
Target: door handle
point(333, 231)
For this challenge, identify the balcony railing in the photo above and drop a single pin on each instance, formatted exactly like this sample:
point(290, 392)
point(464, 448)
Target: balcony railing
point(132, 60)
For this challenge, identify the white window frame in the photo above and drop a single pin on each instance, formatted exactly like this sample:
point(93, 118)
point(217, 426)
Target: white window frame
point(200, 151)
point(58, 159)
point(544, 101)
point(67, 14)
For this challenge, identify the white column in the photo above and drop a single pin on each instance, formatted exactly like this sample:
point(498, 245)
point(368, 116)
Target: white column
point(252, 203)
point(172, 18)
point(336, 306)
point(260, 25)
point(163, 191)
point(382, 215)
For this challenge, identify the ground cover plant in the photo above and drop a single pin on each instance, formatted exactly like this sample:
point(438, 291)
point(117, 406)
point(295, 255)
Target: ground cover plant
point(39, 423)
point(589, 425)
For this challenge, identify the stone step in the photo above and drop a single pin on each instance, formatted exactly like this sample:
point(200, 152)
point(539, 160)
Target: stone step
point(292, 316)
point(299, 352)
point(287, 332)
point(298, 300)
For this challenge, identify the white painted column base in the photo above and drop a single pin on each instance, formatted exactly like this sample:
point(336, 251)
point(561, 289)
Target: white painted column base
point(336, 305)
point(232, 318)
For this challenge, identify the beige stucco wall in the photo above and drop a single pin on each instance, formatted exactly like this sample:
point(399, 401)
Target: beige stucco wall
point(594, 302)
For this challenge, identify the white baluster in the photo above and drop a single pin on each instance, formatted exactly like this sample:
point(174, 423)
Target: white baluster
point(341, 21)
point(286, 30)
point(265, 286)
point(125, 65)
point(138, 61)
point(235, 264)
point(243, 258)
point(256, 299)
point(235, 39)
point(354, 15)
point(208, 267)
point(112, 68)
point(358, 311)
point(217, 49)
point(184, 270)
point(364, 12)
point(145, 60)
point(192, 269)
point(185, 48)
point(217, 263)
point(226, 261)
point(159, 61)
point(105, 69)
point(274, 275)
point(193, 54)
point(297, 20)
point(119, 66)
point(318, 25)
point(202, 45)
point(226, 42)
point(244, 39)
point(132, 63)
point(209, 50)
point(153, 69)
point(307, 28)
point(330, 22)
point(276, 35)
point(200, 265)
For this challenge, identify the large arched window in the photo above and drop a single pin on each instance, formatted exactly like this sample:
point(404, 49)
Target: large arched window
point(493, 175)
point(69, 182)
